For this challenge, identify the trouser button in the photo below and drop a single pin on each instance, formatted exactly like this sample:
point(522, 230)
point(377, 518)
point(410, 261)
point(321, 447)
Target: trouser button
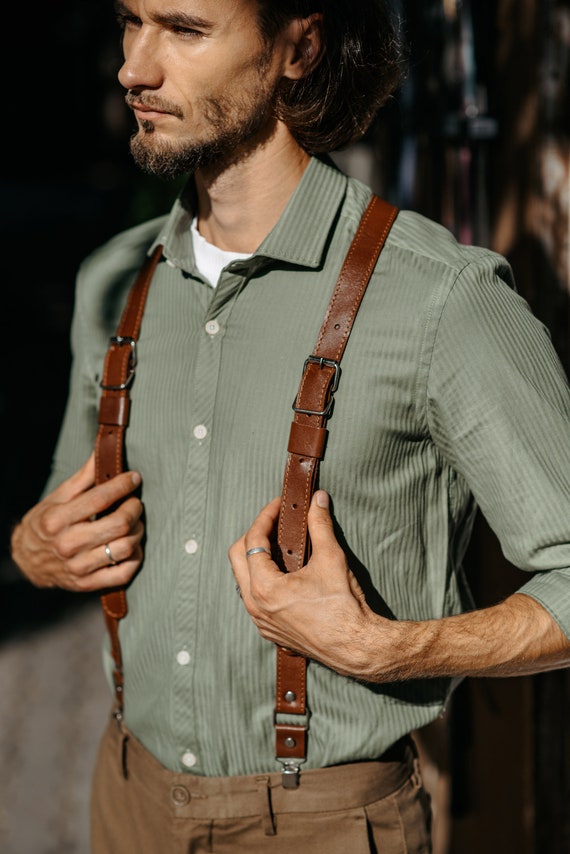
point(180, 796)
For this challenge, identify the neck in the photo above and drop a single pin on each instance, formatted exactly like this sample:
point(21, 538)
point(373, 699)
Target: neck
point(239, 204)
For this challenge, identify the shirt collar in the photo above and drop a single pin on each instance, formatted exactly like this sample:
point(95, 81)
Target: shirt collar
point(299, 237)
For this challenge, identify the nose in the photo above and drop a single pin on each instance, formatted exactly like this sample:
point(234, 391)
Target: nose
point(141, 68)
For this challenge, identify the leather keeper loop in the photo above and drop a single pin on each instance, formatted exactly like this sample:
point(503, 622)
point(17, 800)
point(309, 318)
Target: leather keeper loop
point(114, 411)
point(290, 699)
point(307, 441)
point(290, 741)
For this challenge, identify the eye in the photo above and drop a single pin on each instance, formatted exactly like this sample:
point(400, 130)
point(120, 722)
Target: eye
point(186, 32)
point(185, 26)
point(126, 21)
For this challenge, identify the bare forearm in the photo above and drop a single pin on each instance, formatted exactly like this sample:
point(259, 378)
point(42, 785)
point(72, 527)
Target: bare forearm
point(321, 612)
point(515, 638)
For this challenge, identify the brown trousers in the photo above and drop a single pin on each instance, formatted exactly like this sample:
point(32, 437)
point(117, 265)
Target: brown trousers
point(139, 807)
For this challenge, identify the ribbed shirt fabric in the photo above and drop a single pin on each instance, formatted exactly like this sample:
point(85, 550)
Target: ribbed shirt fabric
point(451, 394)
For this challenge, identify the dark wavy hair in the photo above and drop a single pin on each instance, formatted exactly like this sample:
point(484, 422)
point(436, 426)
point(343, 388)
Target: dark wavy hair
point(363, 63)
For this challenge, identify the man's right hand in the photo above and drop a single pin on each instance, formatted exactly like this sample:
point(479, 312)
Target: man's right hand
point(61, 541)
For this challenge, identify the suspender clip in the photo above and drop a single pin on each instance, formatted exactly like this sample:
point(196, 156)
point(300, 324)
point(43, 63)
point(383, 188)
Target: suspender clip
point(290, 775)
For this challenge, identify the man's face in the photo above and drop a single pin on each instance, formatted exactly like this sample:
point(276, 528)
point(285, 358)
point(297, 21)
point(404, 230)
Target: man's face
point(200, 80)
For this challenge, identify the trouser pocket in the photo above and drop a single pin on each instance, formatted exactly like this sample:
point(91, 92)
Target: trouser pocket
point(401, 822)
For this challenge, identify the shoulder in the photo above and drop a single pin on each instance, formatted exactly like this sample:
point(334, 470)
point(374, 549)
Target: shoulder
point(419, 243)
point(424, 248)
point(105, 276)
point(123, 252)
point(423, 268)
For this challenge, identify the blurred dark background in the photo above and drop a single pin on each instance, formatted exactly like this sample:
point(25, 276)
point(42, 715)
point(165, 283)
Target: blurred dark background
point(478, 138)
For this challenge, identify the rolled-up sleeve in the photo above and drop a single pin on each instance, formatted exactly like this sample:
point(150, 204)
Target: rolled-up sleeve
point(498, 405)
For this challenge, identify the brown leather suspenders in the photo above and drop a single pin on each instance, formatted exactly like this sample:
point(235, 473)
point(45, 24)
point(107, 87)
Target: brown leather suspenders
point(118, 374)
point(305, 450)
point(312, 408)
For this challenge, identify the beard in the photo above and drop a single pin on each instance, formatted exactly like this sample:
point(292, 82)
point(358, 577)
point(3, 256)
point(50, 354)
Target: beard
point(236, 128)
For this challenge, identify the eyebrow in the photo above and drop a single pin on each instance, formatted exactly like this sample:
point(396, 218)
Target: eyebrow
point(170, 18)
point(178, 18)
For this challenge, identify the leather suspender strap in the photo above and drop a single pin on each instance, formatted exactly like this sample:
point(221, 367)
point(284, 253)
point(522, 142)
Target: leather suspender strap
point(312, 407)
point(118, 374)
point(306, 448)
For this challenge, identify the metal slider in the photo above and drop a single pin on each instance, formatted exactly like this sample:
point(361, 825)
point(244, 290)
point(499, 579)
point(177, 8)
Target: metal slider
point(321, 362)
point(121, 341)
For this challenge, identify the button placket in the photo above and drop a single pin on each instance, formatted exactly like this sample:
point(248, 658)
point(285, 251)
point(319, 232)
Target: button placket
point(206, 370)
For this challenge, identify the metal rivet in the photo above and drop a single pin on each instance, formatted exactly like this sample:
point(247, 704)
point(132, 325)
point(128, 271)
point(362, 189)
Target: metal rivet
point(290, 742)
point(290, 696)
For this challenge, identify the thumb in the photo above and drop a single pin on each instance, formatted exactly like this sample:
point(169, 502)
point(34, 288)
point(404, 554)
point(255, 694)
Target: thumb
point(319, 521)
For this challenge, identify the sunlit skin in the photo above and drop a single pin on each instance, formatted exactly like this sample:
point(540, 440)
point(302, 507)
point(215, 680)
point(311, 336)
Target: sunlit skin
point(183, 60)
point(181, 71)
point(321, 612)
point(200, 81)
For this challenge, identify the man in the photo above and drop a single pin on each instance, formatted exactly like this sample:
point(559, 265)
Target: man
point(447, 380)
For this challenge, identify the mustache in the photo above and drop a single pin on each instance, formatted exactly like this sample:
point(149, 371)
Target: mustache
point(152, 102)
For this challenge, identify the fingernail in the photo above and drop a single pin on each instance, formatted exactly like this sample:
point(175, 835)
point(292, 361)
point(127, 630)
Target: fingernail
point(136, 478)
point(322, 498)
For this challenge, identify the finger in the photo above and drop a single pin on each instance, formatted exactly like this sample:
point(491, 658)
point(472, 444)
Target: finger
point(238, 563)
point(110, 554)
point(88, 505)
point(108, 576)
point(261, 529)
point(84, 540)
point(80, 481)
point(260, 532)
point(119, 550)
point(105, 495)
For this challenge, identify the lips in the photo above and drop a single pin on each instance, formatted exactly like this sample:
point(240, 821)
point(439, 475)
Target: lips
point(145, 111)
point(142, 108)
point(147, 107)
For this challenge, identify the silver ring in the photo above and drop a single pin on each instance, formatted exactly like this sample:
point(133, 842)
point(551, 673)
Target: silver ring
point(256, 551)
point(112, 560)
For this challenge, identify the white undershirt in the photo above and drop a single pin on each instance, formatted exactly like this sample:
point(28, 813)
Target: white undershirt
point(210, 260)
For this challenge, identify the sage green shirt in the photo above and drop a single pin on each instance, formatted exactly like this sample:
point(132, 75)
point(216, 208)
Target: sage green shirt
point(450, 394)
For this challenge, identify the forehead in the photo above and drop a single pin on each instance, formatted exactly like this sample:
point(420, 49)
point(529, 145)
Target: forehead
point(208, 10)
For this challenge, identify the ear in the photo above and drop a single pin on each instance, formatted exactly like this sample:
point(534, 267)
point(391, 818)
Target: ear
point(306, 46)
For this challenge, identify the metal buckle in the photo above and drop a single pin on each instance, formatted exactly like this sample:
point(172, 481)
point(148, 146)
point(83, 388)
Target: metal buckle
point(119, 340)
point(321, 362)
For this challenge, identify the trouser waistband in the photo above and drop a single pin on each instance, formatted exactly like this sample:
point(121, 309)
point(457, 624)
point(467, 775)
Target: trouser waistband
point(338, 787)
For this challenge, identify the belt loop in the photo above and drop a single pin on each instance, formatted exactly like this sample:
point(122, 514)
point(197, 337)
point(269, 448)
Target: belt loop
point(265, 809)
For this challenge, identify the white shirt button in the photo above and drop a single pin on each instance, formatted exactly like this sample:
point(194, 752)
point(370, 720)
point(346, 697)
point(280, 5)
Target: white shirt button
point(189, 760)
point(183, 657)
point(191, 547)
point(200, 431)
point(212, 327)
